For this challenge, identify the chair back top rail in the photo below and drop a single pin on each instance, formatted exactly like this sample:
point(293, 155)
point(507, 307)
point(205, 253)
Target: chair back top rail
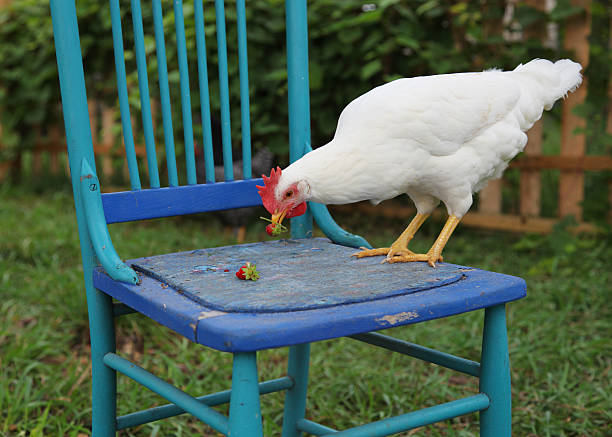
point(128, 206)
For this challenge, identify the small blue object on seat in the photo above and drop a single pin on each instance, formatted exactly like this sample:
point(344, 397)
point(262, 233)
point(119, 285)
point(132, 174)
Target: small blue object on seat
point(295, 275)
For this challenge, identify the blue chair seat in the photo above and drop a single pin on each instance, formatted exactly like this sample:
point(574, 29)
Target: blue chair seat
point(309, 290)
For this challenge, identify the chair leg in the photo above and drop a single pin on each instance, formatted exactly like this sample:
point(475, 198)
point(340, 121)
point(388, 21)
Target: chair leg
point(104, 379)
point(295, 398)
point(245, 412)
point(496, 420)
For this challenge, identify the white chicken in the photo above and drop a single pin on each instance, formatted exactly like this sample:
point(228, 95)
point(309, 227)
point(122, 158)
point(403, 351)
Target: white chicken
point(435, 138)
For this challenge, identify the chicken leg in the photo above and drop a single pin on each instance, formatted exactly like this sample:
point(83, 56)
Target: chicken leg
point(400, 246)
point(435, 253)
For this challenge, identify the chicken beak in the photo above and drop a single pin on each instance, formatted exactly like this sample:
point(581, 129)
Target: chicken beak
point(278, 217)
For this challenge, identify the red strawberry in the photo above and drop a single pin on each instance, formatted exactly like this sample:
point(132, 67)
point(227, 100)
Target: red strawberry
point(270, 229)
point(248, 271)
point(274, 229)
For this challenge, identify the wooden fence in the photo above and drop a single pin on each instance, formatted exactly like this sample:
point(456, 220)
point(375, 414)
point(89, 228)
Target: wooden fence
point(572, 162)
point(49, 156)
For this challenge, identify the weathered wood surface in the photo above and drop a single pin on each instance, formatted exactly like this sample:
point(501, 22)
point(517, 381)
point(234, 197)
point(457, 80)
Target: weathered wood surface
point(288, 281)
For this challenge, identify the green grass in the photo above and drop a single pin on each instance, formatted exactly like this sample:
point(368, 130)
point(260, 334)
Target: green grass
point(559, 335)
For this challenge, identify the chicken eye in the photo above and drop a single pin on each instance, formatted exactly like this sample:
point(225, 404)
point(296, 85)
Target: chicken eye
point(289, 194)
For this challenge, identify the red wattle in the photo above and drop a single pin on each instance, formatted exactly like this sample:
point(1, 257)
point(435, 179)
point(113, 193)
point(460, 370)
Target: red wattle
point(298, 210)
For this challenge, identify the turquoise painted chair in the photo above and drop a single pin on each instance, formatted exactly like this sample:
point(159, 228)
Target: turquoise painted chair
point(210, 307)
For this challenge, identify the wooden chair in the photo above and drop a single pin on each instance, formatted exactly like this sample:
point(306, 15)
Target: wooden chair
point(211, 307)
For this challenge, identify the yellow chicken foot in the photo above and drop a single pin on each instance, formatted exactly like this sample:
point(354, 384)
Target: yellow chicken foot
point(434, 254)
point(400, 246)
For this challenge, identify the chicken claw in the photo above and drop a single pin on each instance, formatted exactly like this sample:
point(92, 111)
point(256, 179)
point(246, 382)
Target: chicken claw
point(394, 252)
point(371, 252)
point(430, 258)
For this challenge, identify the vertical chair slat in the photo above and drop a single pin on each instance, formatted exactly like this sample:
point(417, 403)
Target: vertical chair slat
point(181, 49)
point(204, 94)
point(164, 92)
point(124, 106)
point(143, 85)
point(244, 89)
point(226, 134)
point(296, 18)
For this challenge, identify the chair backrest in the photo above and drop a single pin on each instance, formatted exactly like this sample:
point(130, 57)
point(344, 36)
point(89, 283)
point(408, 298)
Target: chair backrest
point(174, 199)
point(94, 210)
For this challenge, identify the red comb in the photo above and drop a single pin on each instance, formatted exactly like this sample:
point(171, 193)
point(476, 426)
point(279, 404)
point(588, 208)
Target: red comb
point(267, 191)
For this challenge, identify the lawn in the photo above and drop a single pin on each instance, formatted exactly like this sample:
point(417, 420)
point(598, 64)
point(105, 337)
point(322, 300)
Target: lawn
point(560, 346)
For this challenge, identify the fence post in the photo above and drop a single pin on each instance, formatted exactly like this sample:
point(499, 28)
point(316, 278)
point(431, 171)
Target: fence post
point(571, 183)
point(530, 180)
point(490, 197)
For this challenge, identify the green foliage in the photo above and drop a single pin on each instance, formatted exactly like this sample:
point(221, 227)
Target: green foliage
point(564, 10)
point(28, 76)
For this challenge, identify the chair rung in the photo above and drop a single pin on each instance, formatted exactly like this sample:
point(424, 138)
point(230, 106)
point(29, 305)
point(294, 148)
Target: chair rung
point(314, 428)
point(212, 400)
point(188, 403)
point(406, 421)
point(422, 353)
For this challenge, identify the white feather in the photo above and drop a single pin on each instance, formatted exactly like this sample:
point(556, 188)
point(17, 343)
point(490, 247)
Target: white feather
point(434, 137)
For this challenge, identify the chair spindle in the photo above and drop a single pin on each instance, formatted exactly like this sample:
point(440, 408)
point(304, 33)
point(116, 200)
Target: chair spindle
point(204, 93)
point(124, 106)
point(145, 103)
point(224, 91)
point(181, 49)
point(243, 66)
point(164, 92)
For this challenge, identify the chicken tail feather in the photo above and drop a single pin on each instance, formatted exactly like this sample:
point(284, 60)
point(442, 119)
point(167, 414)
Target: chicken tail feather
point(550, 81)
